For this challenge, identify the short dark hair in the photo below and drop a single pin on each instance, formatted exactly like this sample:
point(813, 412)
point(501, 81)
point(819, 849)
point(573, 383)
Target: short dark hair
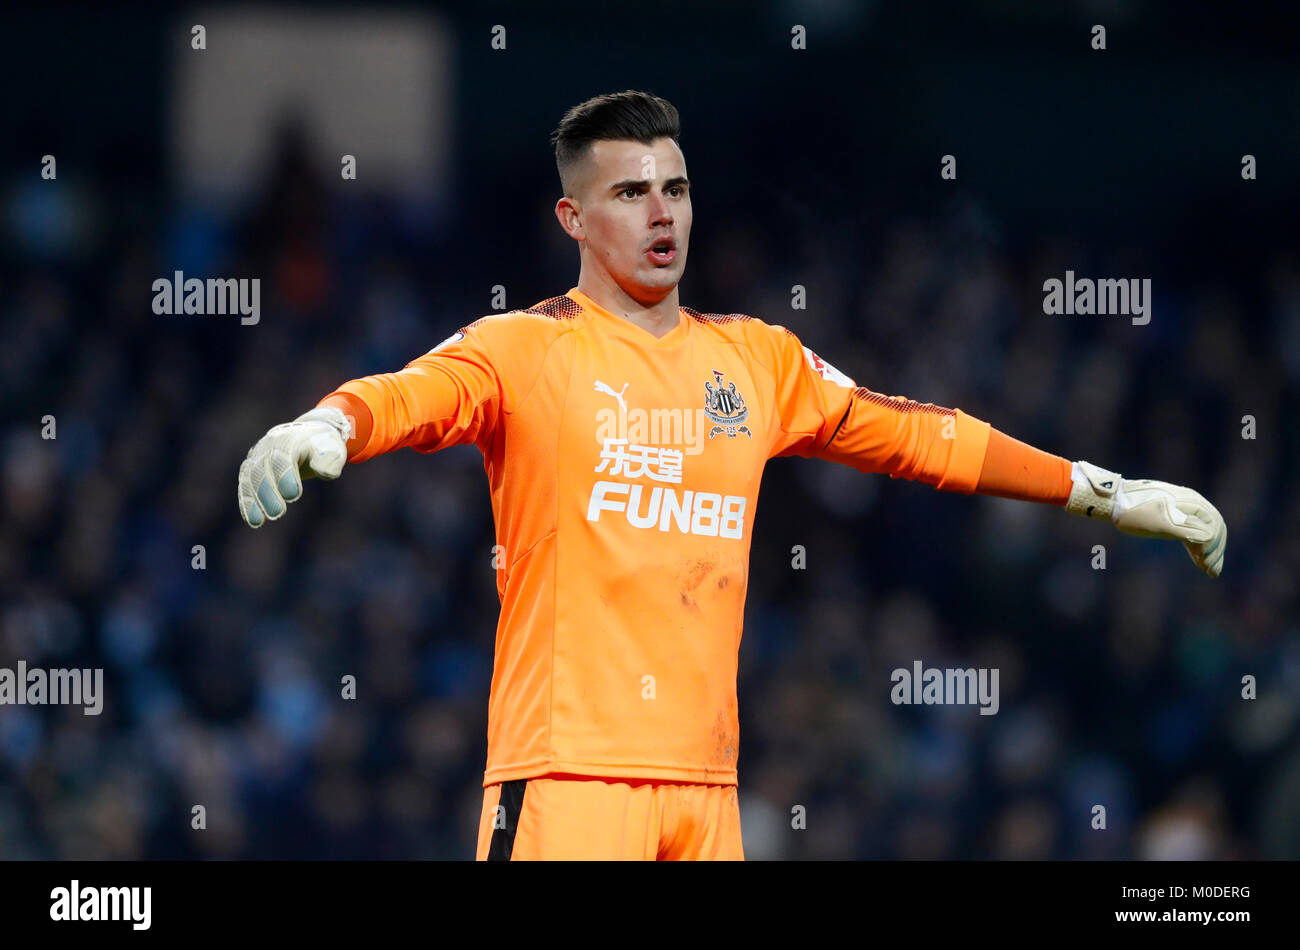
point(630, 114)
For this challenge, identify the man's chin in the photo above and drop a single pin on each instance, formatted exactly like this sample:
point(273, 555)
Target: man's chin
point(649, 289)
point(664, 278)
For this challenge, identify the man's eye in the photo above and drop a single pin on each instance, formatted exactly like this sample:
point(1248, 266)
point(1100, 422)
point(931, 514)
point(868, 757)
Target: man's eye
point(676, 191)
point(631, 192)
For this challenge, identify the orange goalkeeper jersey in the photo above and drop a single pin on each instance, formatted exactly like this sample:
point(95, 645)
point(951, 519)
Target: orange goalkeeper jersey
point(624, 473)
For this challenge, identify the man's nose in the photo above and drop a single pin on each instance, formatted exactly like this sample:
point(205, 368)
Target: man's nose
point(660, 211)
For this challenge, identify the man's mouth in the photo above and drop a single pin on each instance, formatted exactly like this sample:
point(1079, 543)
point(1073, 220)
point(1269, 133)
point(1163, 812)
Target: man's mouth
point(662, 252)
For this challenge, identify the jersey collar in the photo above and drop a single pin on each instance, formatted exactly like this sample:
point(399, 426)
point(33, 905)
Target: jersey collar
point(621, 326)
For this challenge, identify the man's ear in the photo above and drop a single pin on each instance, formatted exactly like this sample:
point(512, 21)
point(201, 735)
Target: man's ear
point(568, 211)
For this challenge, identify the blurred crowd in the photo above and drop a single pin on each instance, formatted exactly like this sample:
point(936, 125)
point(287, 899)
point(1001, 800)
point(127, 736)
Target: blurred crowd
point(224, 665)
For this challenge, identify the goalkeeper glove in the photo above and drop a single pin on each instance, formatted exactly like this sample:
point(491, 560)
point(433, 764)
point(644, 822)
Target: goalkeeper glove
point(314, 444)
point(1151, 509)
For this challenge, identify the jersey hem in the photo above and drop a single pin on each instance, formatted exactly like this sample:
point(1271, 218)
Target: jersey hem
point(673, 773)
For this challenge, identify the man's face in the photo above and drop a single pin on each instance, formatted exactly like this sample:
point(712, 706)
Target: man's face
point(633, 210)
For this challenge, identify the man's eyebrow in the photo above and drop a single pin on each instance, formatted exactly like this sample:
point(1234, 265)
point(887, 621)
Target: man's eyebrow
point(644, 183)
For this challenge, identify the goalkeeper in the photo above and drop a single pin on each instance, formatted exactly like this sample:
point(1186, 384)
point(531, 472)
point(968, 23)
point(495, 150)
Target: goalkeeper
point(612, 720)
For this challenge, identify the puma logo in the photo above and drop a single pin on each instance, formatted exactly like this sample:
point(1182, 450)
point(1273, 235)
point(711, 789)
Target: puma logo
point(604, 388)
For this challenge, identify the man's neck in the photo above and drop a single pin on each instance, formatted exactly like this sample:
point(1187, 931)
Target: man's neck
point(657, 319)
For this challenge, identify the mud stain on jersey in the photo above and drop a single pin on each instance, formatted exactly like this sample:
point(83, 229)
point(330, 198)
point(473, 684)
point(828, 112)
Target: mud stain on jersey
point(724, 742)
point(694, 578)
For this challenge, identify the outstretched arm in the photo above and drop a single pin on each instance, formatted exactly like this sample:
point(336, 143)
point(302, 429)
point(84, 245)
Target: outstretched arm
point(1141, 507)
point(449, 396)
point(825, 414)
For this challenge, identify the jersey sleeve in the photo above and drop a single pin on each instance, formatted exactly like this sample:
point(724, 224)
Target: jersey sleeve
point(453, 395)
point(824, 414)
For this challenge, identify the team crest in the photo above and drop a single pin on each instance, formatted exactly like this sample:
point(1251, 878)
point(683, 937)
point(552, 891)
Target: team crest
point(725, 408)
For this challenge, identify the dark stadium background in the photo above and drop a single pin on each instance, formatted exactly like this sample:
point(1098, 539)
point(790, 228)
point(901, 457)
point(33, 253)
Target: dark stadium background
point(816, 167)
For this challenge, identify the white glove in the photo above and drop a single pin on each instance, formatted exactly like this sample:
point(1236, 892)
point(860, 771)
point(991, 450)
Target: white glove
point(1151, 509)
point(314, 444)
